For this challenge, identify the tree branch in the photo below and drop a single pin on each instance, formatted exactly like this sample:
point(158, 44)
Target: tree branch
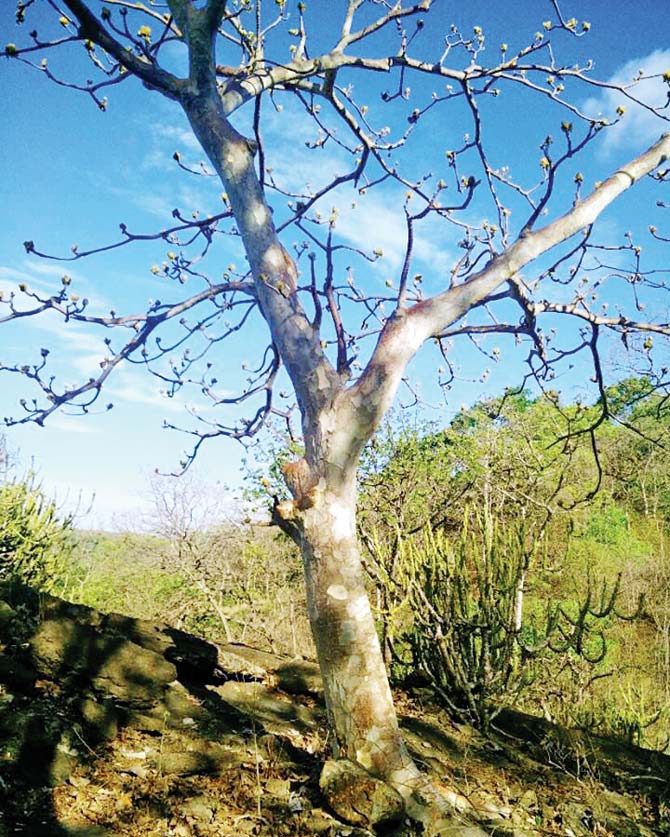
point(371, 396)
point(152, 75)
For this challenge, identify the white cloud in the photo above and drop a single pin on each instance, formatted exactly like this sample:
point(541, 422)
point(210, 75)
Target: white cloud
point(51, 270)
point(30, 273)
point(139, 393)
point(377, 221)
point(179, 137)
point(160, 203)
point(71, 424)
point(10, 274)
point(45, 279)
point(639, 126)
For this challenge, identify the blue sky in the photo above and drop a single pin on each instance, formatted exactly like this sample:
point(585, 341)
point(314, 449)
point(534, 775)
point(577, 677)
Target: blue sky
point(72, 173)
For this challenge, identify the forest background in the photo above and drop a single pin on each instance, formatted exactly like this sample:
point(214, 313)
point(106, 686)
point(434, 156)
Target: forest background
point(504, 568)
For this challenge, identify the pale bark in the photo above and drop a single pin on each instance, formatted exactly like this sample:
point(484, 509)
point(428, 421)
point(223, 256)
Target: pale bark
point(356, 687)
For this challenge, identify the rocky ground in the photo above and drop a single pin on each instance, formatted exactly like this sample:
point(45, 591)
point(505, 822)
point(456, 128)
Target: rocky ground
point(112, 727)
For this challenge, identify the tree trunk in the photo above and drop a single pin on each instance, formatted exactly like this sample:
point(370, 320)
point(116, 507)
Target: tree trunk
point(356, 685)
point(322, 516)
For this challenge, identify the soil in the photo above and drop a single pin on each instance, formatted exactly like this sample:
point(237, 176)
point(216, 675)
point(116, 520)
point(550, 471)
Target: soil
point(112, 727)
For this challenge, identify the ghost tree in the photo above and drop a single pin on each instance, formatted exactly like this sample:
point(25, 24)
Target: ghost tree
point(345, 342)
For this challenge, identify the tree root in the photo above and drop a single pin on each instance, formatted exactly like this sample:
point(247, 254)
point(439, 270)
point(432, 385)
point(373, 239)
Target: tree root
point(438, 813)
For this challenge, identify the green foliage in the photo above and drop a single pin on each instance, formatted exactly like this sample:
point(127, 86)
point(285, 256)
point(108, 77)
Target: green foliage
point(457, 615)
point(121, 573)
point(35, 543)
point(608, 525)
point(575, 561)
point(229, 583)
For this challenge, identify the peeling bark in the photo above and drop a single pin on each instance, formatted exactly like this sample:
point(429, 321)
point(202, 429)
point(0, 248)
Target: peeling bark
point(356, 686)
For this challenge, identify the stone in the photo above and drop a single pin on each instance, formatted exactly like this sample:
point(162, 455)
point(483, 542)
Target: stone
point(101, 719)
point(7, 614)
point(62, 648)
point(199, 808)
point(279, 788)
point(16, 673)
point(299, 677)
point(295, 676)
point(358, 797)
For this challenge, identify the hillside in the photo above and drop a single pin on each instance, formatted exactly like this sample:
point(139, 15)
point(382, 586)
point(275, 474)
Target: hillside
point(115, 727)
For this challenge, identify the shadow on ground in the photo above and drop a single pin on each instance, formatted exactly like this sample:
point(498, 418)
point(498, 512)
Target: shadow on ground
point(114, 727)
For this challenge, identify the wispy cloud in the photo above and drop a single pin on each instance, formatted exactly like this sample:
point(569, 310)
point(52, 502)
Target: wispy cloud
point(32, 275)
point(180, 137)
point(377, 221)
point(71, 424)
point(639, 125)
point(45, 279)
point(139, 393)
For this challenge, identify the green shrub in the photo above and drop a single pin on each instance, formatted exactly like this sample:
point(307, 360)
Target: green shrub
point(34, 541)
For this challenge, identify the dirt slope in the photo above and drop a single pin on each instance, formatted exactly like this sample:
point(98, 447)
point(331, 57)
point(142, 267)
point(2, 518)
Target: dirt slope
point(113, 727)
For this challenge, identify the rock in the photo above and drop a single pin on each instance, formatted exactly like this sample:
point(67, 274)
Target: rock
point(198, 808)
point(194, 658)
point(358, 797)
point(279, 788)
point(101, 719)
point(261, 703)
point(246, 663)
point(16, 673)
point(62, 648)
point(134, 674)
point(297, 677)
point(175, 710)
point(7, 614)
point(63, 763)
point(182, 706)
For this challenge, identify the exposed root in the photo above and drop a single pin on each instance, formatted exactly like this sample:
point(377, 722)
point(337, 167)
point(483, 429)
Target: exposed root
point(439, 812)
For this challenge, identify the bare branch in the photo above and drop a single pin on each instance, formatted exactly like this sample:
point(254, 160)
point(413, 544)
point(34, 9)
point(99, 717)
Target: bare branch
point(153, 76)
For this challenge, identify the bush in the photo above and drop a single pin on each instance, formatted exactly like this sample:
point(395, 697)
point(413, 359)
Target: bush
point(34, 541)
point(457, 613)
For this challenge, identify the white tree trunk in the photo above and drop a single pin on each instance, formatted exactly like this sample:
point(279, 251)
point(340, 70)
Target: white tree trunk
point(323, 512)
point(356, 686)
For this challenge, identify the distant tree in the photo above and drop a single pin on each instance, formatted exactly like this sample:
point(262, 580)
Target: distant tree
point(318, 314)
point(246, 574)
